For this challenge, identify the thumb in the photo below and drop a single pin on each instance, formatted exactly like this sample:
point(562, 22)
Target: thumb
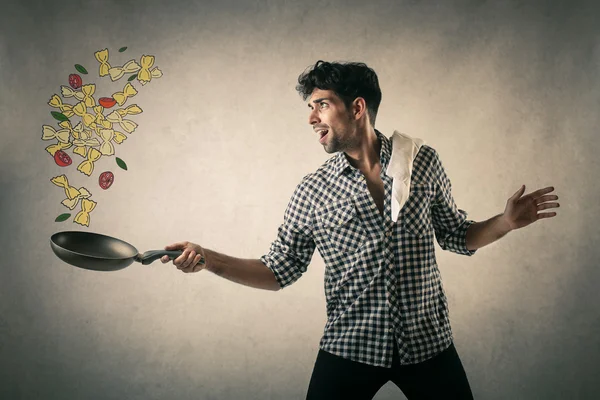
point(176, 246)
point(519, 192)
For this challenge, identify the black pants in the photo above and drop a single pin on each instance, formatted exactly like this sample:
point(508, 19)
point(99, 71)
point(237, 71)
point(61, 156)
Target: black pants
point(441, 377)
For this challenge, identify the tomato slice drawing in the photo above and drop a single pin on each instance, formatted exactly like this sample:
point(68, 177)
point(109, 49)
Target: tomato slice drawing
point(106, 179)
point(107, 102)
point(75, 81)
point(62, 159)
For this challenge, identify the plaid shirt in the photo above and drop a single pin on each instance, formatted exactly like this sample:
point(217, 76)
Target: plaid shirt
point(382, 282)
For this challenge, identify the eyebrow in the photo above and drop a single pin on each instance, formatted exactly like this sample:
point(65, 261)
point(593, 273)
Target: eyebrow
point(319, 100)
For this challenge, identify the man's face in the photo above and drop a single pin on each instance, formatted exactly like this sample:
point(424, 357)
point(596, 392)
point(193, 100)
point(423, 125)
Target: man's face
point(332, 121)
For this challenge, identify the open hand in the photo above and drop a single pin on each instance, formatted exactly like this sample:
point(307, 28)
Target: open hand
point(522, 211)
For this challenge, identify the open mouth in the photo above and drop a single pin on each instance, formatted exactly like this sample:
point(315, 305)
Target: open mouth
point(323, 133)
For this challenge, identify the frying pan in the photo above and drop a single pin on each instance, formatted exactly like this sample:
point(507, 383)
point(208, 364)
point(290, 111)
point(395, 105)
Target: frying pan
point(98, 252)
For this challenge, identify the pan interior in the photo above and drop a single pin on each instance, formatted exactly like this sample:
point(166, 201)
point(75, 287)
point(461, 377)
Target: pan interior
point(94, 245)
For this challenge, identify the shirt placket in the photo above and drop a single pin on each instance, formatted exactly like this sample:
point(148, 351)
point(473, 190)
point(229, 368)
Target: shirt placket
point(391, 276)
point(387, 290)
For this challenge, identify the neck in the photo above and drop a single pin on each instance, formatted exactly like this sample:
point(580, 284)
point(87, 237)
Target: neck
point(365, 155)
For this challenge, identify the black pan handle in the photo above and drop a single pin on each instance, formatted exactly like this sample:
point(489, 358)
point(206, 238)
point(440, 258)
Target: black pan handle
point(152, 255)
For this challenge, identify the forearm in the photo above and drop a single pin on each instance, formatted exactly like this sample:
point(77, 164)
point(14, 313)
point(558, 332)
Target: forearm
point(248, 272)
point(483, 233)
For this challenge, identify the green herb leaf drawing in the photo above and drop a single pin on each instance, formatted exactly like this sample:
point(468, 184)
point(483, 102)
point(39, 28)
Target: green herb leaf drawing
point(122, 49)
point(80, 69)
point(132, 77)
point(121, 163)
point(62, 217)
point(59, 116)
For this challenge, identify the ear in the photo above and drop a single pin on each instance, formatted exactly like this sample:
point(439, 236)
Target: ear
point(359, 108)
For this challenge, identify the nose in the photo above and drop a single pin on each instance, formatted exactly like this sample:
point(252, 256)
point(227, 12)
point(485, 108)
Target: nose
point(313, 117)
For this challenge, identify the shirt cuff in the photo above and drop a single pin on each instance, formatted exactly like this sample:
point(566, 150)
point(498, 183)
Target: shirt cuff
point(461, 239)
point(283, 276)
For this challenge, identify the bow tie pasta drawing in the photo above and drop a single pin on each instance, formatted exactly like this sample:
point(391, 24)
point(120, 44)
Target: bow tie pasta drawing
point(92, 130)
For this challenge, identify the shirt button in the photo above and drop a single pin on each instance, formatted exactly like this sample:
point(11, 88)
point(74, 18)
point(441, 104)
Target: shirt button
point(388, 234)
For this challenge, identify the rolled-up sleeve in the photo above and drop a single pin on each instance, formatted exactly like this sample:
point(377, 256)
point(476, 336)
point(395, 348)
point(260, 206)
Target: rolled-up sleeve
point(291, 252)
point(449, 222)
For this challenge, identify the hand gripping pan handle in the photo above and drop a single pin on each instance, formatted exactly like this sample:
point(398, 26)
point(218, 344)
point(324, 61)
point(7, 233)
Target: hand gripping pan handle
point(152, 255)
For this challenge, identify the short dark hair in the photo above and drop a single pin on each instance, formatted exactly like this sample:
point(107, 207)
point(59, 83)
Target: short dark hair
point(347, 80)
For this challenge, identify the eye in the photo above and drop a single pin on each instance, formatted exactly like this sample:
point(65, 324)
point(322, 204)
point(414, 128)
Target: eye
point(323, 105)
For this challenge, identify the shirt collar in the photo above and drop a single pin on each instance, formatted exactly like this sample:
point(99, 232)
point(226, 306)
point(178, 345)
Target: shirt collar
point(341, 164)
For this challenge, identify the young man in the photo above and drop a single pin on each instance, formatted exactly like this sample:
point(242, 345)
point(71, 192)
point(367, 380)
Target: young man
point(387, 314)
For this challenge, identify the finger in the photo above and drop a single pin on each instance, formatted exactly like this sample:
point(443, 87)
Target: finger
point(547, 205)
point(189, 260)
point(190, 268)
point(176, 246)
point(518, 193)
point(545, 198)
point(546, 215)
point(540, 192)
point(165, 259)
point(197, 265)
point(194, 265)
point(179, 261)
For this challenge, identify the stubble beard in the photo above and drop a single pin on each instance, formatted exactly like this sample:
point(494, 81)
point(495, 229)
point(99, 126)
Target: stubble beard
point(336, 144)
point(338, 141)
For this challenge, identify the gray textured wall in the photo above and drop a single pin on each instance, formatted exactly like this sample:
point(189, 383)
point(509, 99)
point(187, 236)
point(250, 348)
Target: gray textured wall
point(506, 91)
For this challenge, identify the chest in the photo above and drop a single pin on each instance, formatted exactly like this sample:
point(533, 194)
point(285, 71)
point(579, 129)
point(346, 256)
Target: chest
point(376, 189)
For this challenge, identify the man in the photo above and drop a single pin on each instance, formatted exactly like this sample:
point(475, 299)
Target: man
point(386, 308)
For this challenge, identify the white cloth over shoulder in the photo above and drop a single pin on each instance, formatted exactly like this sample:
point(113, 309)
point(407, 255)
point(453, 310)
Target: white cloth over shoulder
point(404, 151)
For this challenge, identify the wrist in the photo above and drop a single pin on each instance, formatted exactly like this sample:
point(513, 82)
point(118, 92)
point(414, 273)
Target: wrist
point(505, 225)
point(208, 261)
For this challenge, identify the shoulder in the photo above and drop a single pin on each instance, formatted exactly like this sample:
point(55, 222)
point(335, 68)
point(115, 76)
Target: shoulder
point(320, 176)
point(426, 164)
point(312, 187)
point(427, 153)
point(306, 195)
point(310, 181)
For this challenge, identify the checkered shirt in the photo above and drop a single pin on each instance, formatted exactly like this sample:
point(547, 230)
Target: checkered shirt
point(382, 282)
